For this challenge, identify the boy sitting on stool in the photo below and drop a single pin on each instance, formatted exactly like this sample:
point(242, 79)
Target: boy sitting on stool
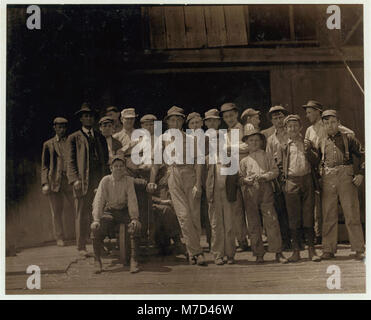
point(116, 202)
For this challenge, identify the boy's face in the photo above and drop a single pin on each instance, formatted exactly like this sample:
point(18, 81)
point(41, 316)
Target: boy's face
point(230, 117)
point(87, 120)
point(128, 122)
point(312, 114)
point(212, 123)
point(106, 129)
point(254, 120)
point(293, 129)
point(60, 129)
point(254, 142)
point(195, 123)
point(277, 120)
point(148, 125)
point(331, 125)
point(118, 168)
point(175, 122)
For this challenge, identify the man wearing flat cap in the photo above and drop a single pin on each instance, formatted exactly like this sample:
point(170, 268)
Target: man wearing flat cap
point(106, 129)
point(340, 182)
point(185, 185)
point(114, 113)
point(252, 116)
point(54, 181)
point(229, 112)
point(128, 116)
point(315, 134)
point(87, 165)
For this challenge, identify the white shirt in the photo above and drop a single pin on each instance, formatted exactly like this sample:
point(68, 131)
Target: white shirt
point(86, 131)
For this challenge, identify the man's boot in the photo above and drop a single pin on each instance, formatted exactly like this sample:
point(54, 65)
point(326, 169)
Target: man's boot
point(313, 255)
point(295, 257)
point(134, 255)
point(243, 245)
point(310, 235)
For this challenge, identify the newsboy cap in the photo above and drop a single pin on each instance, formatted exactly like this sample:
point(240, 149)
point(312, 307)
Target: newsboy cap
point(175, 111)
point(128, 113)
point(250, 130)
point(193, 115)
point(313, 104)
point(148, 117)
point(60, 120)
point(249, 112)
point(118, 156)
point(292, 117)
point(85, 108)
point(329, 113)
point(228, 107)
point(105, 119)
point(212, 114)
point(277, 108)
point(112, 108)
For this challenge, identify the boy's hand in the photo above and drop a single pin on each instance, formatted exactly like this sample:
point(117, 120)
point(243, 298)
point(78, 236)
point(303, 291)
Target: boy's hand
point(196, 191)
point(357, 180)
point(95, 225)
point(249, 180)
point(151, 187)
point(77, 185)
point(45, 189)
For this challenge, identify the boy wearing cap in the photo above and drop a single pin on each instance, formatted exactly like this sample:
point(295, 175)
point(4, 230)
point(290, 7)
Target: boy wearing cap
point(115, 202)
point(185, 189)
point(229, 113)
point(220, 209)
point(294, 160)
point(87, 164)
point(128, 116)
point(54, 181)
point(257, 171)
point(114, 113)
point(340, 183)
point(106, 128)
point(194, 121)
point(251, 116)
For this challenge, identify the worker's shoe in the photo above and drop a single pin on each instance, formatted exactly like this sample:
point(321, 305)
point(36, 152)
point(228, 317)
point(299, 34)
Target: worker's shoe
point(83, 253)
point(281, 258)
point(231, 261)
point(295, 257)
point(359, 256)
point(98, 268)
point(327, 256)
point(312, 255)
point(201, 260)
point(219, 261)
point(192, 260)
point(134, 268)
point(243, 246)
point(259, 259)
point(60, 243)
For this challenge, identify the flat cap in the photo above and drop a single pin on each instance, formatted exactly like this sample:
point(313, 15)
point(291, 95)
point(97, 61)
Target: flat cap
point(60, 120)
point(85, 108)
point(175, 111)
point(313, 104)
point(249, 130)
point(128, 113)
point(277, 108)
point(249, 113)
point(212, 114)
point(105, 119)
point(193, 115)
point(228, 107)
point(112, 108)
point(118, 156)
point(329, 113)
point(148, 117)
point(292, 117)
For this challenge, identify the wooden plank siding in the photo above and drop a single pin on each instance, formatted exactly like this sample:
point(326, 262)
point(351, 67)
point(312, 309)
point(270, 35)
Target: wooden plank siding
point(215, 26)
point(195, 26)
point(175, 27)
point(157, 27)
point(235, 25)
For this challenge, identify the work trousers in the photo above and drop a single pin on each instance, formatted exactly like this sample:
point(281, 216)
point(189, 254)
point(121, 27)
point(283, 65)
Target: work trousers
point(56, 202)
point(181, 181)
point(299, 196)
point(262, 199)
point(239, 218)
point(338, 185)
point(221, 222)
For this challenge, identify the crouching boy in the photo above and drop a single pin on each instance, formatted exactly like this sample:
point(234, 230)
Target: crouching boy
point(294, 159)
point(257, 170)
point(116, 202)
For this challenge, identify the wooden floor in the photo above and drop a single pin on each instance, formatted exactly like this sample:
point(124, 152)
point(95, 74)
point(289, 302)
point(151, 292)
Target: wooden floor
point(172, 275)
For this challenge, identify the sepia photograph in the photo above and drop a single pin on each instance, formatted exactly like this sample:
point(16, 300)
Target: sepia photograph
point(182, 149)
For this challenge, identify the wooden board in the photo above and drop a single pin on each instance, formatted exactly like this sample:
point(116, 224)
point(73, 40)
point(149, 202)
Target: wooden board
point(157, 27)
point(215, 26)
point(235, 25)
point(175, 28)
point(195, 27)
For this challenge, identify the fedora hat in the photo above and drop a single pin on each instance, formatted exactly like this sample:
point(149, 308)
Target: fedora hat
point(85, 108)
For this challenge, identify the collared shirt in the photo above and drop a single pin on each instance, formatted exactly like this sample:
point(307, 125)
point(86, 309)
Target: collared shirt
point(115, 194)
point(63, 147)
point(86, 131)
point(274, 141)
point(124, 136)
point(298, 164)
point(242, 147)
point(258, 163)
point(334, 149)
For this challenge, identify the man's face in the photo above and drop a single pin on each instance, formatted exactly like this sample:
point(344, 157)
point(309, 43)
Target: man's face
point(254, 120)
point(212, 123)
point(118, 168)
point(106, 129)
point(230, 117)
point(312, 114)
point(87, 120)
point(60, 129)
point(195, 123)
point(128, 123)
point(331, 125)
point(175, 122)
point(254, 142)
point(293, 129)
point(113, 114)
point(148, 125)
point(277, 120)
